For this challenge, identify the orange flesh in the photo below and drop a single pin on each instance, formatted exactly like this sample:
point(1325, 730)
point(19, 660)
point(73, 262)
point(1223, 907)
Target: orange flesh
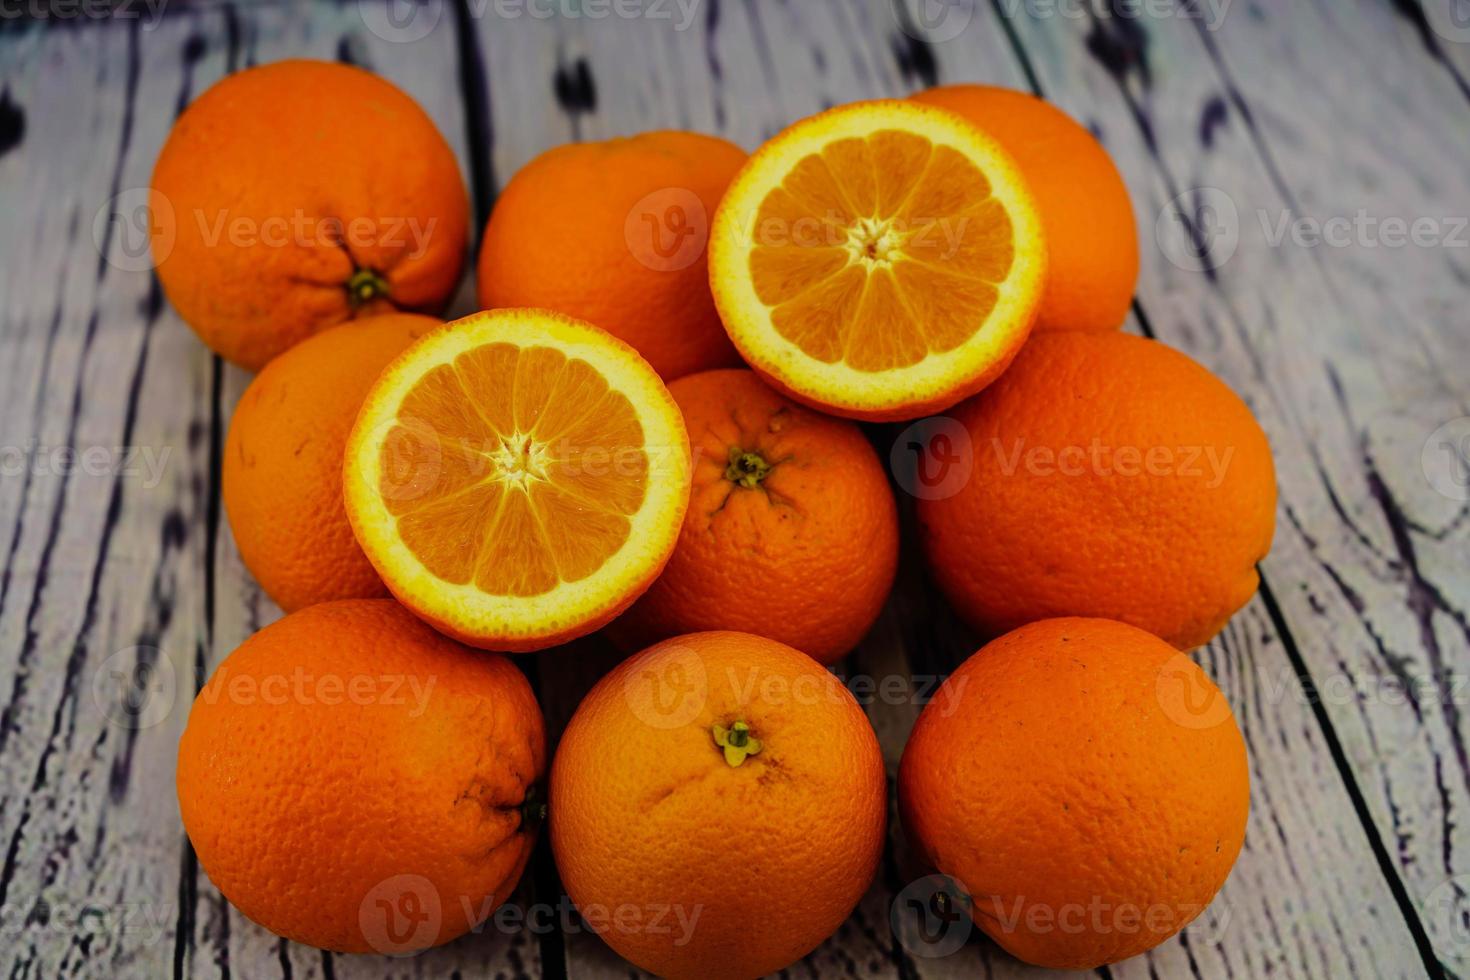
point(880, 251)
point(515, 468)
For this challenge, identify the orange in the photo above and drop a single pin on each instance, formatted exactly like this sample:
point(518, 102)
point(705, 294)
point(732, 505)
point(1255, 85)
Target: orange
point(293, 196)
point(517, 478)
point(1084, 784)
point(353, 780)
point(1085, 210)
point(791, 532)
point(1108, 476)
point(717, 806)
point(614, 233)
point(881, 260)
point(282, 467)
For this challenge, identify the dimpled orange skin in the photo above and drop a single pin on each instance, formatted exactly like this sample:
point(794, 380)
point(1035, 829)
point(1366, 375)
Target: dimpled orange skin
point(282, 466)
point(1091, 233)
point(1086, 820)
point(299, 806)
point(574, 230)
point(806, 556)
point(277, 200)
point(764, 860)
point(1160, 527)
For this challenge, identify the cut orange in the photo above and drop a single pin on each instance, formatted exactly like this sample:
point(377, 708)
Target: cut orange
point(518, 478)
point(881, 260)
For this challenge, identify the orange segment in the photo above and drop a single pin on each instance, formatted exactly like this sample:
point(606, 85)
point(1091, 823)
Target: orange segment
point(880, 260)
point(517, 478)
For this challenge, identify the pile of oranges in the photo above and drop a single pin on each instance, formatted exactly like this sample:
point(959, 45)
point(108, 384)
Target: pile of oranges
point(653, 427)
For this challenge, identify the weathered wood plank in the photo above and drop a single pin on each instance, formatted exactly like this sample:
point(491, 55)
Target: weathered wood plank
point(103, 556)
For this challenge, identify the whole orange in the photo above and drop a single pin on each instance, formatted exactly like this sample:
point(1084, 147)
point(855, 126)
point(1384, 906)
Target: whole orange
point(276, 215)
point(1085, 209)
point(353, 780)
point(1108, 476)
point(1084, 783)
point(791, 531)
point(614, 233)
point(717, 806)
point(282, 466)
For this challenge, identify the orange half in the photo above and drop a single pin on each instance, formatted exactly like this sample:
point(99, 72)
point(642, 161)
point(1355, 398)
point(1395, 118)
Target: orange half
point(518, 478)
point(881, 260)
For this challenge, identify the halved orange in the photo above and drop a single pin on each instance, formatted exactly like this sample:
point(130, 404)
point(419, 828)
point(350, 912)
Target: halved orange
point(881, 260)
point(518, 478)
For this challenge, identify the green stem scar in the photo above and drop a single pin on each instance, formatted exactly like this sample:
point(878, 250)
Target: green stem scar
point(746, 469)
point(364, 287)
point(736, 741)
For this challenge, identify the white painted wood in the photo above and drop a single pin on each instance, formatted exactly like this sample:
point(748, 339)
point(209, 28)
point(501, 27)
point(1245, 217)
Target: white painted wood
point(101, 559)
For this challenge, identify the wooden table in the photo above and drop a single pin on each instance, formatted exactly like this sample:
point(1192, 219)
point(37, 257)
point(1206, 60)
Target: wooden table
point(1240, 127)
